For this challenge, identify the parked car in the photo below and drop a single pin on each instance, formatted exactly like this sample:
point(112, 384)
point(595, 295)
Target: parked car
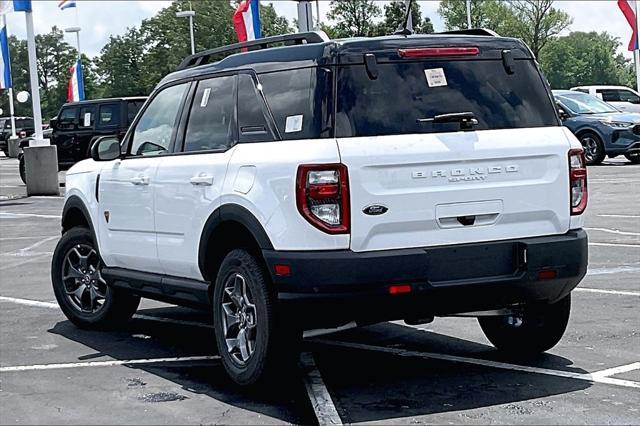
point(622, 98)
point(282, 190)
point(78, 124)
point(602, 129)
point(24, 126)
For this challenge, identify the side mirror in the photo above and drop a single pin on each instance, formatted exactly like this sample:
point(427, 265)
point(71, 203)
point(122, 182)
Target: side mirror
point(105, 148)
point(563, 114)
point(53, 122)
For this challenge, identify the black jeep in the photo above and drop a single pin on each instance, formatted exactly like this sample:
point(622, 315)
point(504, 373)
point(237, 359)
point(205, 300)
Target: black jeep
point(78, 124)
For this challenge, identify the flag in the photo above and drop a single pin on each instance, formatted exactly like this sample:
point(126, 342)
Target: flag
point(8, 6)
point(75, 88)
point(5, 63)
point(246, 20)
point(628, 7)
point(65, 4)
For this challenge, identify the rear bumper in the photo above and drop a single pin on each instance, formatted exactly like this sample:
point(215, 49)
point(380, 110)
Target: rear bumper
point(330, 287)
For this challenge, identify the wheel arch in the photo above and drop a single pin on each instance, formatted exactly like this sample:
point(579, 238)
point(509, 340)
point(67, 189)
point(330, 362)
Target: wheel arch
point(75, 213)
point(228, 227)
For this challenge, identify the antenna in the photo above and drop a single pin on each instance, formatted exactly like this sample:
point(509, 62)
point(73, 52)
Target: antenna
point(406, 27)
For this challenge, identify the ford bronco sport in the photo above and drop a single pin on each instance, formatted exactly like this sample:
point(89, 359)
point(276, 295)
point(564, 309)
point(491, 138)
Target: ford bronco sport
point(297, 182)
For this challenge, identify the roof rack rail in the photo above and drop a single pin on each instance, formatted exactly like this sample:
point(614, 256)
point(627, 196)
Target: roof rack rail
point(473, 31)
point(202, 58)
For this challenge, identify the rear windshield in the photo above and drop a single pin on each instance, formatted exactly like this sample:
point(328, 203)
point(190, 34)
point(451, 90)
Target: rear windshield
point(406, 92)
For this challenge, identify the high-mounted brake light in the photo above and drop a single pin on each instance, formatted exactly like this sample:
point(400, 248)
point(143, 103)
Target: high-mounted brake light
point(429, 52)
point(322, 196)
point(578, 193)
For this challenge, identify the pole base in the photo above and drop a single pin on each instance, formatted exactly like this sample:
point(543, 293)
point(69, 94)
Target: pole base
point(41, 170)
point(13, 147)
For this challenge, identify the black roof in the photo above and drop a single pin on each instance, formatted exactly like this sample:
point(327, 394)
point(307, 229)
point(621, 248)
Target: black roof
point(344, 51)
point(97, 101)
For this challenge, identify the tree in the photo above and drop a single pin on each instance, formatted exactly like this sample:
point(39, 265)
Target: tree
point(120, 65)
point(540, 22)
point(584, 59)
point(19, 77)
point(271, 23)
point(354, 18)
point(394, 14)
point(492, 14)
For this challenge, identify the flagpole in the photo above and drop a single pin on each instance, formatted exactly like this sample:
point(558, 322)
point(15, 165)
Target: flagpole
point(10, 91)
point(636, 52)
point(33, 78)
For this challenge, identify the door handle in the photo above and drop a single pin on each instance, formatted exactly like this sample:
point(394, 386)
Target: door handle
point(202, 179)
point(140, 180)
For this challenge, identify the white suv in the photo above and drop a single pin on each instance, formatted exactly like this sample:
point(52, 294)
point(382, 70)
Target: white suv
point(623, 98)
point(322, 183)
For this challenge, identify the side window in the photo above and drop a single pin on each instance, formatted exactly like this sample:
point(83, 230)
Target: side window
point(87, 117)
point(628, 96)
point(252, 122)
point(109, 115)
point(68, 118)
point(155, 129)
point(210, 125)
point(132, 109)
point(609, 95)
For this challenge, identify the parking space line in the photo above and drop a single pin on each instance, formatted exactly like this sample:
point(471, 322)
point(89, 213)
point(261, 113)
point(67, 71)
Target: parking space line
point(22, 238)
point(29, 260)
point(483, 362)
point(618, 292)
point(615, 245)
point(616, 270)
point(617, 370)
point(28, 302)
point(627, 216)
point(319, 396)
point(107, 363)
point(25, 251)
point(613, 231)
point(7, 215)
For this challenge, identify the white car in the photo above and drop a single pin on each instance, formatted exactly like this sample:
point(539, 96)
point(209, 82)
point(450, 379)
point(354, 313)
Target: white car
point(621, 97)
point(320, 183)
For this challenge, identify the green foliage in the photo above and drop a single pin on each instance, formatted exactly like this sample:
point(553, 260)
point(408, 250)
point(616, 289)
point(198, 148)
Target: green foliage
point(353, 18)
point(120, 65)
point(538, 22)
point(584, 59)
point(271, 23)
point(492, 14)
point(394, 13)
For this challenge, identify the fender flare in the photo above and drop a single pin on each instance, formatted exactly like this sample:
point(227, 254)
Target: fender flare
point(231, 213)
point(75, 202)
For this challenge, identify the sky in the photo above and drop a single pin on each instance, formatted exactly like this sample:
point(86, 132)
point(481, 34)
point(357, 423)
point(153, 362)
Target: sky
point(99, 19)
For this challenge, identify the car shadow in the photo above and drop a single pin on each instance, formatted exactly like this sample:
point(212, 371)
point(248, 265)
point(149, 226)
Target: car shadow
point(366, 385)
point(371, 386)
point(147, 339)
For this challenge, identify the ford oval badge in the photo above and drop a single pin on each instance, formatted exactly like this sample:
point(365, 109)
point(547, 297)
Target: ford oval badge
point(375, 210)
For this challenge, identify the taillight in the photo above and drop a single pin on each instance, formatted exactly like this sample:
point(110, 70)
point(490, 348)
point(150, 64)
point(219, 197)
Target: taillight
point(577, 181)
point(322, 196)
point(427, 52)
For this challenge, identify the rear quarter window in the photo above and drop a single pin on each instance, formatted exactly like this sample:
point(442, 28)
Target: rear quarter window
point(407, 91)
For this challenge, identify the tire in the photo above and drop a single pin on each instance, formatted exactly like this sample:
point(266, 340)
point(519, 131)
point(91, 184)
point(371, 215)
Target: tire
point(21, 168)
point(84, 297)
point(536, 329)
point(593, 148)
point(634, 158)
point(244, 304)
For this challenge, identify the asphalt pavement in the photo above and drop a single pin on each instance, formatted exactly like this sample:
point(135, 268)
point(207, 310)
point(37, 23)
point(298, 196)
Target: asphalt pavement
point(162, 368)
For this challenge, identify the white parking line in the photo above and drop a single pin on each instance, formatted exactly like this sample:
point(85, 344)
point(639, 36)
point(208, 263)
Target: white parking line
point(107, 363)
point(28, 302)
point(20, 238)
point(319, 396)
point(616, 270)
point(27, 250)
point(617, 370)
point(618, 292)
point(614, 231)
point(632, 216)
point(7, 215)
point(29, 260)
point(485, 363)
point(615, 245)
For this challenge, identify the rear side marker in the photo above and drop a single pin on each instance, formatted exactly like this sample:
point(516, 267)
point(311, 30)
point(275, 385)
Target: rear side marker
point(400, 289)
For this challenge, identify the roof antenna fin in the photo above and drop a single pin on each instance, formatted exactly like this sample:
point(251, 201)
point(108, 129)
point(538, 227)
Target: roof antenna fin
point(406, 27)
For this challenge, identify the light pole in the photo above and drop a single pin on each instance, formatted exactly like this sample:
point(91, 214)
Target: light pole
point(189, 14)
point(77, 31)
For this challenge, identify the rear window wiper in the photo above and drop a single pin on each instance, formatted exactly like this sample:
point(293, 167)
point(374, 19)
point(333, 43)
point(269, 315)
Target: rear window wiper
point(466, 119)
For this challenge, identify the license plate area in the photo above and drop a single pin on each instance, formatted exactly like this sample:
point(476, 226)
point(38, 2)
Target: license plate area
point(480, 261)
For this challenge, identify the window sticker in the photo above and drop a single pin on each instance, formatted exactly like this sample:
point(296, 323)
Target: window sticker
point(87, 119)
point(205, 97)
point(293, 123)
point(435, 77)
